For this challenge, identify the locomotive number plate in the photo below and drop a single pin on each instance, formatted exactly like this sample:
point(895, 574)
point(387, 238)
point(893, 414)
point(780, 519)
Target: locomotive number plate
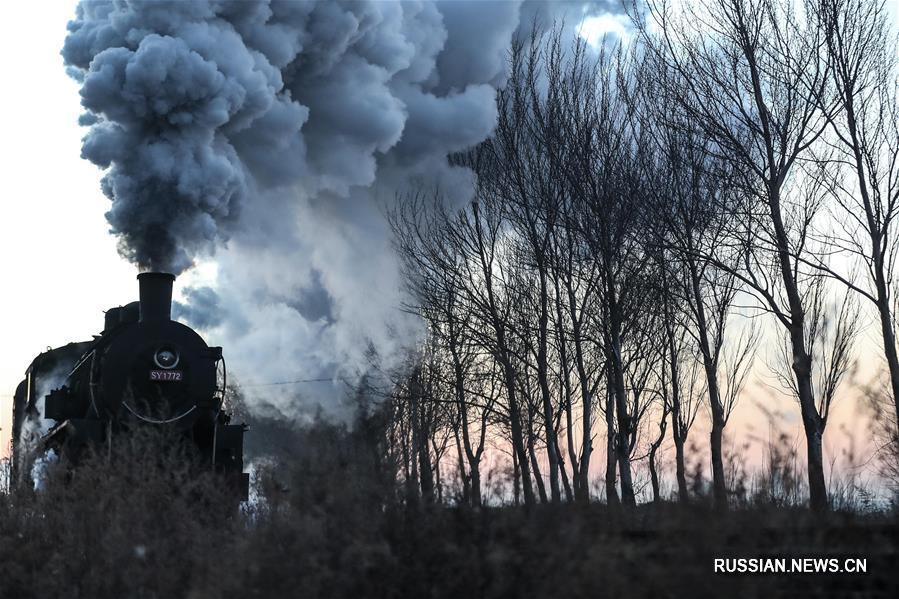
point(165, 375)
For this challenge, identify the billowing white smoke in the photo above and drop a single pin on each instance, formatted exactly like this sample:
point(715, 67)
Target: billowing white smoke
point(40, 467)
point(269, 136)
point(30, 456)
point(34, 425)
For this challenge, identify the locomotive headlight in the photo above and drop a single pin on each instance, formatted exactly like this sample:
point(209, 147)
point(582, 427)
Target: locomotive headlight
point(166, 357)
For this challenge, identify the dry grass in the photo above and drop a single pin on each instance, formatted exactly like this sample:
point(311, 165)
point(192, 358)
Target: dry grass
point(330, 520)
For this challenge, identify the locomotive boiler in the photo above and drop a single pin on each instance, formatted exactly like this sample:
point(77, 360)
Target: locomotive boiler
point(143, 369)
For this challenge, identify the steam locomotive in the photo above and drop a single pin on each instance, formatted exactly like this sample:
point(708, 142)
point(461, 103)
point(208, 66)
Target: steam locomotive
point(144, 369)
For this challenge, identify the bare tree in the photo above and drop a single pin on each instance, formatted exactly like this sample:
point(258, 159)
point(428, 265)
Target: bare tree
point(625, 202)
point(605, 181)
point(694, 213)
point(682, 409)
point(434, 273)
point(753, 74)
point(862, 156)
point(524, 179)
point(478, 232)
point(576, 276)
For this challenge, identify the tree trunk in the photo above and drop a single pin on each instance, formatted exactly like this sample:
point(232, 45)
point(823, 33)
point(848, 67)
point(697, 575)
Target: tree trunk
point(543, 380)
point(622, 442)
point(886, 327)
point(517, 437)
point(586, 401)
point(579, 495)
point(474, 475)
point(426, 474)
point(535, 465)
point(719, 484)
point(463, 475)
point(611, 453)
point(653, 450)
point(516, 479)
point(680, 469)
point(814, 430)
point(817, 488)
point(566, 483)
point(653, 474)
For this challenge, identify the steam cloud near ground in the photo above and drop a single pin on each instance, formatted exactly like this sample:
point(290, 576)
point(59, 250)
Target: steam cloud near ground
point(35, 426)
point(268, 136)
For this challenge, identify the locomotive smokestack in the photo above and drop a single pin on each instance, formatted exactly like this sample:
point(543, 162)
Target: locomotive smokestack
point(155, 296)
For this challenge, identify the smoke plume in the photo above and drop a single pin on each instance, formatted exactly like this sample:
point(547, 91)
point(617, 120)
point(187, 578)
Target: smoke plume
point(268, 136)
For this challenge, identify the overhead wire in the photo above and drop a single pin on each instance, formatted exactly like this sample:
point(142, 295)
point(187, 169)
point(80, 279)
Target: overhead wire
point(297, 382)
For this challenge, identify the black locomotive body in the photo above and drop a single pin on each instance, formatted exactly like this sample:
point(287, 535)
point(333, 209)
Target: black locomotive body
point(144, 369)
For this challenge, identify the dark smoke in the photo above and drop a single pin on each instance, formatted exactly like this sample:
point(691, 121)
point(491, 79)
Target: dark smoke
point(172, 89)
point(201, 310)
point(271, 134)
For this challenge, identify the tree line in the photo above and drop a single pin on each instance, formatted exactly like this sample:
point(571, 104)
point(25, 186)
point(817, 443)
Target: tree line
point(651, 221)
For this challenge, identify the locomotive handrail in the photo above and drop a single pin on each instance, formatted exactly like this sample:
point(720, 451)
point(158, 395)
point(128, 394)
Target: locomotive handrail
point(154, 420)
point(91, 383)
point(81, 361)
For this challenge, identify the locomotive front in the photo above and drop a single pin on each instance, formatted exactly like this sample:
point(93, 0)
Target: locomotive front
point(143, 369)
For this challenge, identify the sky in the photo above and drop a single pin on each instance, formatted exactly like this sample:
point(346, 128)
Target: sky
point(60, 266)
